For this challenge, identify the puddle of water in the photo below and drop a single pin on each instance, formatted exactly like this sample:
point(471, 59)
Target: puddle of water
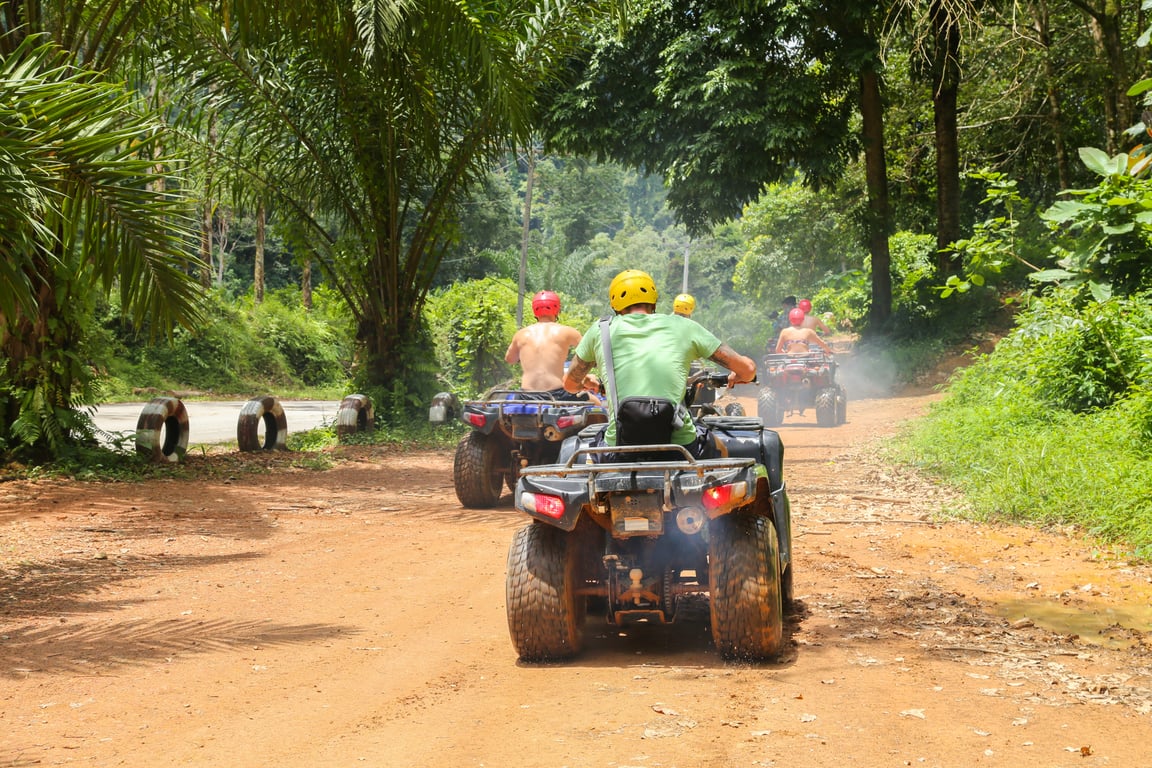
point(1103, 626)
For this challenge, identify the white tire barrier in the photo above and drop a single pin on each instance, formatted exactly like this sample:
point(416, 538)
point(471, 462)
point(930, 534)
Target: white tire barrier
point(267, 411)
point(355, 415)
point(162, 430)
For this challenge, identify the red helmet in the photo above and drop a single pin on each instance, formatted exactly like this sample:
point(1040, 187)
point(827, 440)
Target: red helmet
point(546, 303)
point(796, 316)
point(805, 305)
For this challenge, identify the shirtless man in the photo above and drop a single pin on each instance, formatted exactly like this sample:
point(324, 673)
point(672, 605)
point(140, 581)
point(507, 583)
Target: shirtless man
point(795, 339)
point(810, 320)
point(542, 349)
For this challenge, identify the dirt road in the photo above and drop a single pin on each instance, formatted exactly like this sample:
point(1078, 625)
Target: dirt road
point(355, 617)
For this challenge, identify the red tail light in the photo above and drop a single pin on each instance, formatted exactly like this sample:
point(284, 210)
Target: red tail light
point(542, 503)
point(477, 419)
point(563, 422)
point(718, 496)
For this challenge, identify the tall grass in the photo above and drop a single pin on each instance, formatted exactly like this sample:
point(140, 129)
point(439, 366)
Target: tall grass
point(1055, 426)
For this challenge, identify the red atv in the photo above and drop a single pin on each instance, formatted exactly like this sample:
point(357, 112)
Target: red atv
point(794, 383)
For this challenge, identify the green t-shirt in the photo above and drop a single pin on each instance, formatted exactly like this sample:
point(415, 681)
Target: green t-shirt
point(651, 355)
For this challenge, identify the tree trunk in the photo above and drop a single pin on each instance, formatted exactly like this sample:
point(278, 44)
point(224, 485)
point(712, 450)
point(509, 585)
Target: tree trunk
point(876, 171)
point(258, 266)
point(945, 88)
point(306, 285)
point(1055, 116)
point(1106, 31)
point(26, 343)
point(224, 229)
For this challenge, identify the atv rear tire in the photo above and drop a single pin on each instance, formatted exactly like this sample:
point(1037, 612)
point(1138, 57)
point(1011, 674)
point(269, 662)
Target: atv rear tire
point(545, 616)
point(826, 407)
point(744, 587)
point(477, 472)
point(841, 405)
point(769, 409)
point(734, 409)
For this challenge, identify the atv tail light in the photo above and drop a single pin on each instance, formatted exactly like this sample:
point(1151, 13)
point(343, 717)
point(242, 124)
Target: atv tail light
point(723, 495)
point(477, 419)
point(543, 504)
point(563, 422)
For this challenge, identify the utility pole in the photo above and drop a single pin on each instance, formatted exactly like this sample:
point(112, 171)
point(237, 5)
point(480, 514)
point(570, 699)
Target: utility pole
point(684, 284)
point(524, 234)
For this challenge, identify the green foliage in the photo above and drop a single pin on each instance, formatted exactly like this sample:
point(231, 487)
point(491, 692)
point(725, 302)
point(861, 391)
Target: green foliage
point(472, 323)
point(995, 244)
point(312, 349)
point(718, 98)
point(1055, 425)
point(795, 238)
point(1105, 231)
point(236, 350)
point(79, 217)
point(1070, 355)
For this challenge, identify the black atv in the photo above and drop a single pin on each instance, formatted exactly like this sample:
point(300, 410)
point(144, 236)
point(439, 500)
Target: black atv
point(707, 394)
point(511, 429)
point(635, 529)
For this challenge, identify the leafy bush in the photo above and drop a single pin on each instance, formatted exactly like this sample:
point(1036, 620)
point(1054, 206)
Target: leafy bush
point(1070, 355)
point(472, 323)
point(311, 348)
point(1055, 426)
point(237, 349)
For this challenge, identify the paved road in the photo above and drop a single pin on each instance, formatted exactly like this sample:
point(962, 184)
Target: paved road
point(214, 421)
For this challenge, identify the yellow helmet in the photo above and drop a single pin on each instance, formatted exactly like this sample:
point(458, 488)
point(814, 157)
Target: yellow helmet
point(684, 304)
point(631, 287)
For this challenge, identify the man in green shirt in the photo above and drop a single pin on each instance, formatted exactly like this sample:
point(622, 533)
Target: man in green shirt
point(651, 353)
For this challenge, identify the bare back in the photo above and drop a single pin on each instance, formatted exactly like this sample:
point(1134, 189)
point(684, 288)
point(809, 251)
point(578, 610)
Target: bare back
point(541, 350)
point(795, 340)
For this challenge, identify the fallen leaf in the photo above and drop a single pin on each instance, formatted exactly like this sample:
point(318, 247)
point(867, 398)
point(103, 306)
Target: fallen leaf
point(807, 718)
point(664, 710)
point(913, 713)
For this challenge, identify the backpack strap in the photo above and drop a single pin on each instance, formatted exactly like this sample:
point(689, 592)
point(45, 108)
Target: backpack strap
point(609, 370)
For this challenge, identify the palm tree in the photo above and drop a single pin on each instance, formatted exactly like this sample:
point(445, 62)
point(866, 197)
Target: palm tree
point(366, 122)
point(81, 213)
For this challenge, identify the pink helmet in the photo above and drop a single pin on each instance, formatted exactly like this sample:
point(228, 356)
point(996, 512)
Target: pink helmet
point(546, 303)
point(805, 305)
point(796, 316)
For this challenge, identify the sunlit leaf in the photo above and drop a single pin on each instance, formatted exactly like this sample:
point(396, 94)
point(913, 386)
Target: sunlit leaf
point(1064, 210)
point(1098, 161)
point(1050, 275)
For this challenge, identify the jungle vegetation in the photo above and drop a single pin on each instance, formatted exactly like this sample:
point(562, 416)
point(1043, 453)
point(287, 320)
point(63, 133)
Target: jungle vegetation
point(232, 196)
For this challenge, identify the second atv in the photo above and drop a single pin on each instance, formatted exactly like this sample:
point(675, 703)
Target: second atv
point(512, 429)
point(793, 383)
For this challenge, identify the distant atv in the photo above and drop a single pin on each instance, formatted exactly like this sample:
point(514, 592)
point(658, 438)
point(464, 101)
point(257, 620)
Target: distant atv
point(633, 530)
point(706, 395)
point(512, 429)
point(793, 383)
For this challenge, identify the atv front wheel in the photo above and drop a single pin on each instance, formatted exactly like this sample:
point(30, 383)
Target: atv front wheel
point(744, 587)
point(545, 616)
point(769, 408)
point(826, 407)
point(477, 472)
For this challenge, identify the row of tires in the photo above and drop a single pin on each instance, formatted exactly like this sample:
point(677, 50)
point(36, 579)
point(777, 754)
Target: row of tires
point(163, 427)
